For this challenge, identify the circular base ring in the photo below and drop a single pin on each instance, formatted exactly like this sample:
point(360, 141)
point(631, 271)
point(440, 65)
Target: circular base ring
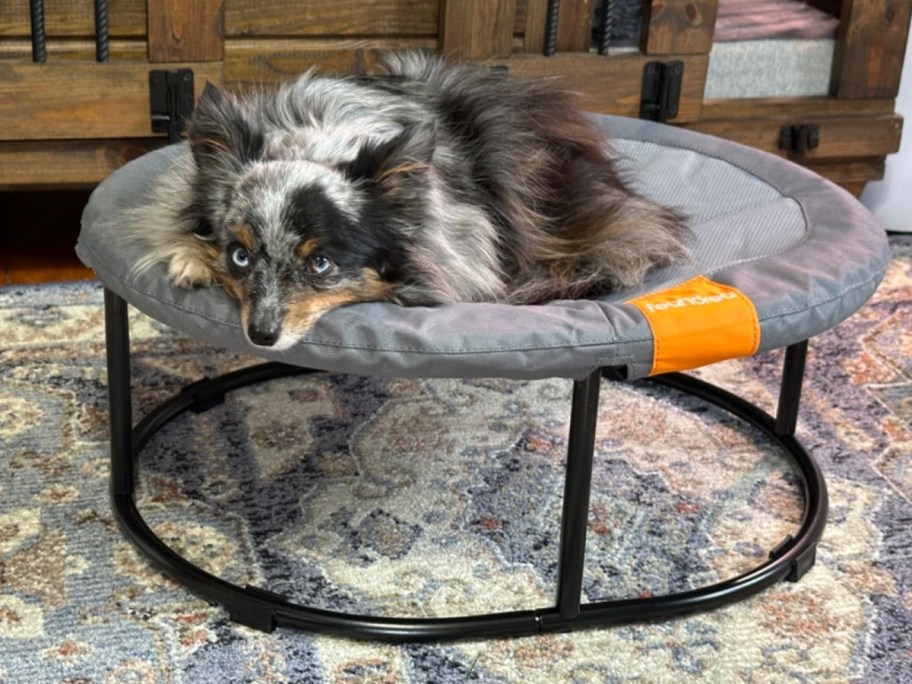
point(265, 610)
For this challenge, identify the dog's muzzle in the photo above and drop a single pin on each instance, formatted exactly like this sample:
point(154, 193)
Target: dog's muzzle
point(264, 327)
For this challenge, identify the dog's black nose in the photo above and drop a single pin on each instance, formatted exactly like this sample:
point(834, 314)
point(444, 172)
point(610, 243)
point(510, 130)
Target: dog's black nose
point(263, 336)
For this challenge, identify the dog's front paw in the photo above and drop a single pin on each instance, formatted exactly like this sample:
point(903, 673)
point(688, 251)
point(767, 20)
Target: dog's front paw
point(187, 270)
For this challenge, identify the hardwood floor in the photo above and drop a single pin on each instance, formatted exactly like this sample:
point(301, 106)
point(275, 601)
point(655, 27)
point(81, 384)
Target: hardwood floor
point(37, 236)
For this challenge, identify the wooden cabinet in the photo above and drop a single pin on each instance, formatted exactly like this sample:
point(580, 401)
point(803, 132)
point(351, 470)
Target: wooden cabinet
point(71, 120)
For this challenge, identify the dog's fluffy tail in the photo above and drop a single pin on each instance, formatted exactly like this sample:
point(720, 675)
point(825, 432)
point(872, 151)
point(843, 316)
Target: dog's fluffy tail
point(606, 237)
point(600, 235)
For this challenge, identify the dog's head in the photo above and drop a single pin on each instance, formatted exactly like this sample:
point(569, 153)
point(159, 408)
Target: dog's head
point(295, 237)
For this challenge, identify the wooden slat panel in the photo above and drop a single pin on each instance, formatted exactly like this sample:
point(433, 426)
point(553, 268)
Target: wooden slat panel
point(181, 31)
point(680, 27)
point(789, 108)
point(67, 163)
point(476, 29)
point(119, 50)
point(534, 15)
point(74, 18)
point(612, 85)
point(843, 172)
point(60, 100)
point(839, 137)
point(574, 26)
point(249, 62)
point(870, 46)
point(331, 18)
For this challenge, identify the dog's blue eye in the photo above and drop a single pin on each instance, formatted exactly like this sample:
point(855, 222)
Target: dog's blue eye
point(319, 264)
point(240, 257)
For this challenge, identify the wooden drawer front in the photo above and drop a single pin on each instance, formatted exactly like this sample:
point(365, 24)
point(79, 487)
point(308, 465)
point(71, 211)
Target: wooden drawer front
point(76, 100)
point(840, 137)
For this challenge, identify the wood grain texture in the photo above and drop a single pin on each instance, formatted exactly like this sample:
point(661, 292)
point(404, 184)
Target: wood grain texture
point(67, 163)
point(870, 46)
point(119, 49)
point(255, 61)
point(74, 18)
point(269, 18)
point(574, 26)
point(533, 14)
point(181, 31)
point(791, 107)
point(477, 29)
point(679, 27)
point(612, 85)
point(78, 100)
point(840, 137)
point(857, 171)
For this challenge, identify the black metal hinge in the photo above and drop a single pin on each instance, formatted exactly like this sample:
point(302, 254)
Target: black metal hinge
point(661, 92)
point(171, 100)
point(798, 139)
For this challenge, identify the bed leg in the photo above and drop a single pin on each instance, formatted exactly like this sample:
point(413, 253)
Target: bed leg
point(117, 343)
point(577, 485)
point(790, 390)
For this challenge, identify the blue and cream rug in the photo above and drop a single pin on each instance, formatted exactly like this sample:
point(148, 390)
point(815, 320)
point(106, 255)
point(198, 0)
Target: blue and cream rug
point(442, 498)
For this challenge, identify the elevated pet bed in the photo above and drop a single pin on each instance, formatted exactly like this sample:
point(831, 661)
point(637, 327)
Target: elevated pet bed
point(779, 255)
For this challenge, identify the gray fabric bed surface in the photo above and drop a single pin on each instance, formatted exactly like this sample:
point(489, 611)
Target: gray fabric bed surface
point(804, 251)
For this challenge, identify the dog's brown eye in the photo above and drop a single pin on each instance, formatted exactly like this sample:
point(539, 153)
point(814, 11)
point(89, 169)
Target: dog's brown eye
point(319, 264)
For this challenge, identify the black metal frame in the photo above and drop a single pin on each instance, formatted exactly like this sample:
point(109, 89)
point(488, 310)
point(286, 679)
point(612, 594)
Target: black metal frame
point(265, 610)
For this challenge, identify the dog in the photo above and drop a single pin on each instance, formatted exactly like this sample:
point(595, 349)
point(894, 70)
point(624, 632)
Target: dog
point(435, 182)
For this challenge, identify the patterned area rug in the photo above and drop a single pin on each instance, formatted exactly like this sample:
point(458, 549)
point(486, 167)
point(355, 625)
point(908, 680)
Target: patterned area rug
point(442, 498)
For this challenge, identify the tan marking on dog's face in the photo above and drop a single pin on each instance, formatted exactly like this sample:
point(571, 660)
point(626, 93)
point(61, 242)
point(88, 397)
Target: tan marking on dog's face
point(375, 288)
point(307, 308)
point(308, 247)
point(231, 286)
point(243, 234)
point(304, 312)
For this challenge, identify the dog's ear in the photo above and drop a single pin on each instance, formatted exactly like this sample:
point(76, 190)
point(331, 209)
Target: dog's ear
point(222, 132)
point(408, 152)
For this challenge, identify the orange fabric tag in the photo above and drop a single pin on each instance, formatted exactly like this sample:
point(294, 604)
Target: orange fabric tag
point(697, 323)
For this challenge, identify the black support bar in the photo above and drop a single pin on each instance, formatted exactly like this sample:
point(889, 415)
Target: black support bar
point(551, 20)
point(606, 24)
point(120, 411)
point(790, 389)
point(39, 38)
point(101, 30)
point(575, 518)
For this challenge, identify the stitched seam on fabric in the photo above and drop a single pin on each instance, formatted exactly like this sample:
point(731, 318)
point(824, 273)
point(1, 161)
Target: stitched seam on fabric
point(787, 312)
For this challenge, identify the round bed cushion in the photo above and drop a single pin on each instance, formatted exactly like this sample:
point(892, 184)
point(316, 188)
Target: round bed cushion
point(803, 250)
